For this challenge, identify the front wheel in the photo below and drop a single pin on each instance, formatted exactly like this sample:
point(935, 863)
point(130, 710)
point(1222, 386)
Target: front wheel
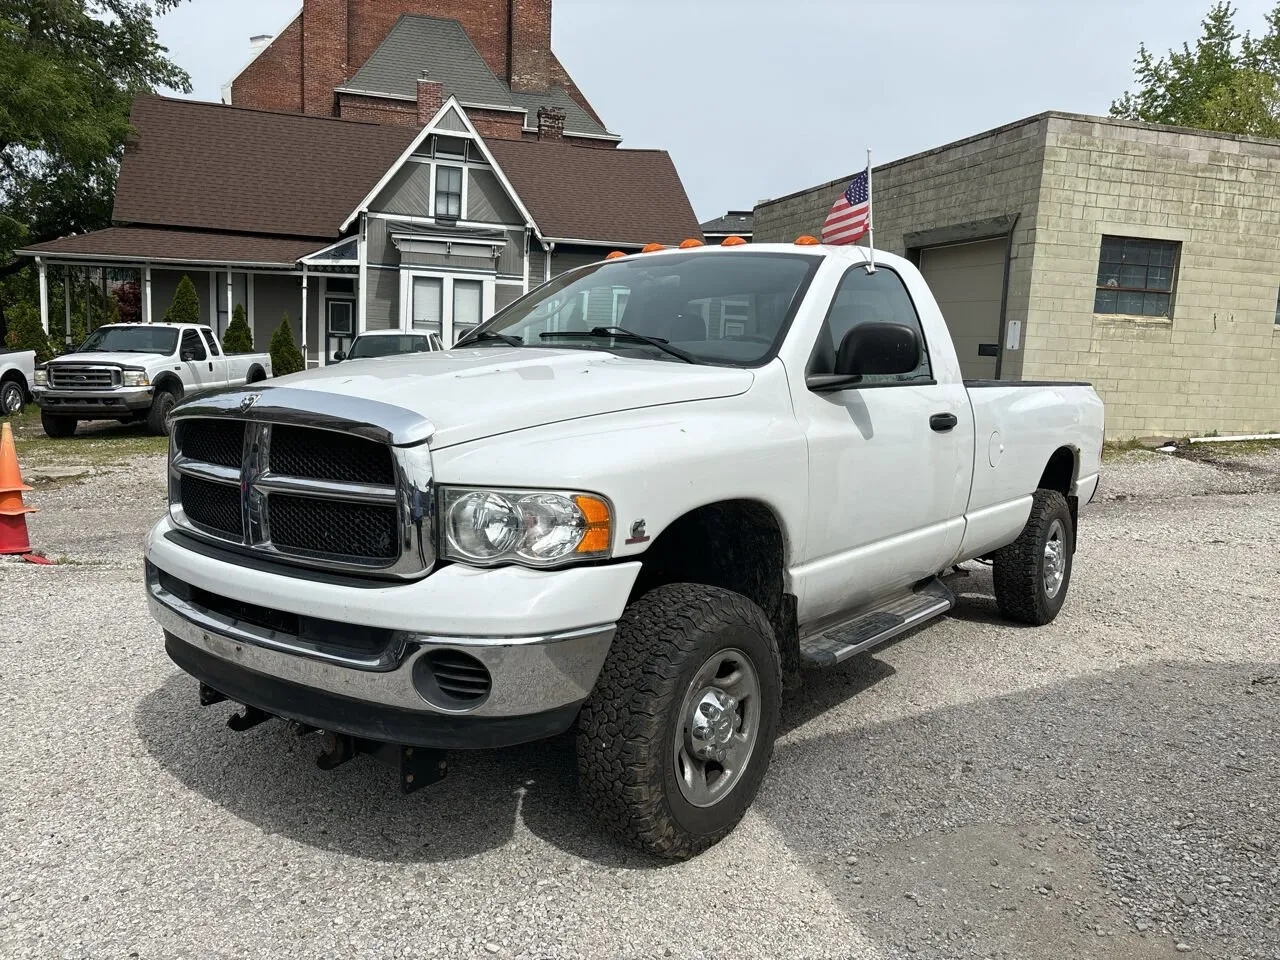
point(158, 415)
point(674, 741)
point(1032, 574)
point(57, 426)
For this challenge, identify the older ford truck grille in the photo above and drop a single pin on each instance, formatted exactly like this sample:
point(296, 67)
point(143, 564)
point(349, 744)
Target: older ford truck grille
point(77, 376)
point(309, 495)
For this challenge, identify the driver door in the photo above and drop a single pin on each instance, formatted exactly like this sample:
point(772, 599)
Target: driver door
point(195, 359)
point(887, 489)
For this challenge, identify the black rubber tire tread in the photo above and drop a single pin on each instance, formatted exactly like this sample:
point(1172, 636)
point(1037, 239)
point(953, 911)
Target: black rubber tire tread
point(57, 426)
point(161, 404)
point(622, 729)
point(8, 385)
point(1016, 569)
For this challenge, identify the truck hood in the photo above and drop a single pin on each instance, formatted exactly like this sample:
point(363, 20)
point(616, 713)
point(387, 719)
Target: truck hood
point(469, 394)
point(119, 359)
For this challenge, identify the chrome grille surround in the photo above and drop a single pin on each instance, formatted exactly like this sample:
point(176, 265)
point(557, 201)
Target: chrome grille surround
point(400, 432)
point(84, 376)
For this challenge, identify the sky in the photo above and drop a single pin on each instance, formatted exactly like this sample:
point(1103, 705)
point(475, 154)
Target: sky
point(756, 99)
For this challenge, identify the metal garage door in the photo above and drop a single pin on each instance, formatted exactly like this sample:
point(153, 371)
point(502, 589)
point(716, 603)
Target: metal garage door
point(967, 279)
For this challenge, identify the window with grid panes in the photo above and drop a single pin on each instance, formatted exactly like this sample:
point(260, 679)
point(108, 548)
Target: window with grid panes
point(1135, 277)
point(449, 192)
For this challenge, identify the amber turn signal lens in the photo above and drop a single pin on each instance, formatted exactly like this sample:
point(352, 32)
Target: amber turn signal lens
point(690, 244)
point(652, 248)
point(732, 242)
point(599, 533)
point(615, 255)
point(806, 241)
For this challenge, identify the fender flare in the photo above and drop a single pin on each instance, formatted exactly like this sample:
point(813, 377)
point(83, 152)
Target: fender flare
point(169, 382)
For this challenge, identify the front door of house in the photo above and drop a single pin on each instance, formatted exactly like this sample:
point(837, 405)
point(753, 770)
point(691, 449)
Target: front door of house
point(339, 326)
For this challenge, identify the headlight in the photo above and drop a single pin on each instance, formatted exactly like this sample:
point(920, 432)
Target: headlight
point(42, 377)
point(534, 527)
point(136, 378)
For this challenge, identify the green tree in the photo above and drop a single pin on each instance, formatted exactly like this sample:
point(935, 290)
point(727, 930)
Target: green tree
point(285, 357)
point(25, 333)
point(1228, 81)
point(186, 303)
point(68, 72)
point(238, 338)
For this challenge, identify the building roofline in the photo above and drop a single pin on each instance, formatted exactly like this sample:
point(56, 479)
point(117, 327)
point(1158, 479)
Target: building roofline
point(226, 87)
point(293, 114)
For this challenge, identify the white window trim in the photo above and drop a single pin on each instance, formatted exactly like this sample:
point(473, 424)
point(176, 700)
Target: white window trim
point(488, 285)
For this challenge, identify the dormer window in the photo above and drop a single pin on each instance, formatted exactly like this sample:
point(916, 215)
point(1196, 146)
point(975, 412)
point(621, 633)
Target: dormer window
point(449, 192)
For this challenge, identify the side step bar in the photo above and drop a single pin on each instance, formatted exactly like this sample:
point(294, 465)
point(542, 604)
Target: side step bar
point(873, 627)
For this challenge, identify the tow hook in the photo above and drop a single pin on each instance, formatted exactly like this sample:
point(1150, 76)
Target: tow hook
point(418, 767)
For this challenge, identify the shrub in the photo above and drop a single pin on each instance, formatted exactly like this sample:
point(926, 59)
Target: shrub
point(25, 332)
point(285, 357)
point(186, 304)
point(126, 303)
point(238, 338)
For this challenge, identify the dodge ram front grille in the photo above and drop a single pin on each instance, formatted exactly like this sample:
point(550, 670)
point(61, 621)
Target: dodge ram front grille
point(71, 376)
point(315, 496)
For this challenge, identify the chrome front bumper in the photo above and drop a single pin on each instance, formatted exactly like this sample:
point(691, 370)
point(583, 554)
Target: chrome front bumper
point(90, 403)
point(538, 682)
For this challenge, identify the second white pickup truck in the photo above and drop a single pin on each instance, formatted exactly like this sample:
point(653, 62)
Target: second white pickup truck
point(17, 374)
point(636, 502)
point(132, 371)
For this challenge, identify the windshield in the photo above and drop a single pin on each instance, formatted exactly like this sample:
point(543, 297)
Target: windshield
point(383, 346)
point(727, 308)
point(139, 339)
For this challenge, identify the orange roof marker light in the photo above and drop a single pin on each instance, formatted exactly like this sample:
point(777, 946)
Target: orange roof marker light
point(690, 244)
point(652, 248)
point(734, 241)
point(615, 255)
point(807, 241)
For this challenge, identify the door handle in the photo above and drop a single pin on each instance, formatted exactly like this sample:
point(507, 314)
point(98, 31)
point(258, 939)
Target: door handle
point(942, 422)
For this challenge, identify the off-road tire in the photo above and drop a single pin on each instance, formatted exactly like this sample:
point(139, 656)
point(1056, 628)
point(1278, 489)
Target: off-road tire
point(627, 727)
point(158, 415)
point(57, 426)
point(1018, 569)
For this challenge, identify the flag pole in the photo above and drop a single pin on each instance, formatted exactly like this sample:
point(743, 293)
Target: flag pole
point(871, 220)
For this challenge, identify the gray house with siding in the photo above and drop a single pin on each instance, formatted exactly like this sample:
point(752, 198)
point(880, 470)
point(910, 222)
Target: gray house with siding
point(345, 226)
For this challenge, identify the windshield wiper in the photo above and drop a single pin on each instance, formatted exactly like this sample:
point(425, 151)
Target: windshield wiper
point(620, 333)
point(483, 335)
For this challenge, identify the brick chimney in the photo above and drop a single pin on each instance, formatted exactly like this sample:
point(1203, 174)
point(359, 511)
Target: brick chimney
point(430, 99)
point(324, 54)
point(530, 45)
point(550, 123)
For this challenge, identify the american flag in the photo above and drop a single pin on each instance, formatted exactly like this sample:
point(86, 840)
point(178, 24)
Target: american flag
point(851, 214)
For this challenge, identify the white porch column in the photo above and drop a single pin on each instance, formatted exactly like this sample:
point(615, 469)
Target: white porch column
point(66, 301)
point(304, 316)
point(231, 304)
point(322, 321)
point(42, 268)
point(213, 297)
point(249, 307)
point(146, 293)
point(362, 299)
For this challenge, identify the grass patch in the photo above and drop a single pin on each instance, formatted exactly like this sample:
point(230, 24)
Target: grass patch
point(1235, 447)
point(1115, 449)
point(96, 444)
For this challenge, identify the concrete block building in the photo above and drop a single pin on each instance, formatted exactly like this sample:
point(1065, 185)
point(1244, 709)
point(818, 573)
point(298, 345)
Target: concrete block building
point(1145, 259)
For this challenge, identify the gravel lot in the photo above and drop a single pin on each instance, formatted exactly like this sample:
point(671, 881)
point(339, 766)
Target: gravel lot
point(1106, 787)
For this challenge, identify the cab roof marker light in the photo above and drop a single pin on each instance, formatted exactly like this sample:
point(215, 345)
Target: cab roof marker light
point(690, 244)
point(615, 255)
point(807, 241)
point(652, 248)
point(734, 241)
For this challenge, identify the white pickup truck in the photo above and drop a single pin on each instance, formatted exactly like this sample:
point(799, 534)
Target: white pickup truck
point(131, 371)
point(636, 502)
point(17, 374)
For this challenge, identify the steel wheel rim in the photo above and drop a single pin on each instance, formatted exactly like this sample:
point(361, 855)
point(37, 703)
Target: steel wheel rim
point(1055, 559)
point(11, 397)
point(719, 726)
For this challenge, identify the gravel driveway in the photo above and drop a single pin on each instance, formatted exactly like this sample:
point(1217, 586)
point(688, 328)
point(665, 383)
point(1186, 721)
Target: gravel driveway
point(1105, 787)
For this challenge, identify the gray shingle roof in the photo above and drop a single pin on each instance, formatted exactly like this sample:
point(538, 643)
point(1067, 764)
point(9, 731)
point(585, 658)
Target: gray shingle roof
point(733, 222)
point(441, 49)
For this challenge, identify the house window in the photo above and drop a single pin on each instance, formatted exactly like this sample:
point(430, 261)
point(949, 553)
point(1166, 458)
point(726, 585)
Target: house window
point(1135, 277)
point(468, 307)
point(428, 304)
point(449, 192)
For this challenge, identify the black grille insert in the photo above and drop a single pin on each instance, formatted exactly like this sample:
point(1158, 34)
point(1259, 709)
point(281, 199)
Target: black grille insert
point(326, 455)
point(214, 506)
point(358, 531)
point(212, 441)
point(452, 679)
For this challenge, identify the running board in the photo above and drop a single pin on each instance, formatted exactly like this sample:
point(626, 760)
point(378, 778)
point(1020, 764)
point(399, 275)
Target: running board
point(873, 627)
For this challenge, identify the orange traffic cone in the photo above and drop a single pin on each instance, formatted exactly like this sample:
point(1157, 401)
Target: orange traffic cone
point(13, 515)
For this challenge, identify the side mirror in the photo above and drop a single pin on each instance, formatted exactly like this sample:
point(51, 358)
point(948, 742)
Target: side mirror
point(871, 349)
point(339, 357)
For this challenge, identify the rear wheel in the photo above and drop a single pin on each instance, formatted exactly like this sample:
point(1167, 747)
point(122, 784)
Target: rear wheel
point(1033, 573)
point(12, 398)
point(676, 738)
point(57, 426)
point(158, 415)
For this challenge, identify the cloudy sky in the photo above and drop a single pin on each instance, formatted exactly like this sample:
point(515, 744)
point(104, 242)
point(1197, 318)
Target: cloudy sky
point(759, 98)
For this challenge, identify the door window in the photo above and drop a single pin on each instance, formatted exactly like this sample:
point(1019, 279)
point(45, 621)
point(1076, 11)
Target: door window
point(467, 307)
point(428, 304)
point(212, 341)
point(864, 297)
point(192, 348)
